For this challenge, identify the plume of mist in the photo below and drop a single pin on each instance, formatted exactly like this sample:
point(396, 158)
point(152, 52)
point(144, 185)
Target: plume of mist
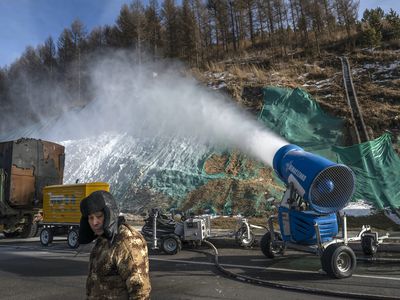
point(156, 100)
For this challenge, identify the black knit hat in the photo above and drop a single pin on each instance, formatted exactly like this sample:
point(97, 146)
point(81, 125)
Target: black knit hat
point(95, 202)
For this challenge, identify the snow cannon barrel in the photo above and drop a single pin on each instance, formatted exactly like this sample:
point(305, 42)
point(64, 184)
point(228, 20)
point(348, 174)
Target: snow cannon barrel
point(326, 186)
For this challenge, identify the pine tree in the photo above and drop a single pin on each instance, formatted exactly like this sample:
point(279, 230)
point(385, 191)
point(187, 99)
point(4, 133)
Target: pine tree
point(152, 28)
point(374, 18)
point(137, 11)
point(96, 39)
point(188, 23)
point(112, 36)
point(126, 27)
point(47, 54)
point(203, 31)
point(393, 19)
point(66, 48)
point(172, 41)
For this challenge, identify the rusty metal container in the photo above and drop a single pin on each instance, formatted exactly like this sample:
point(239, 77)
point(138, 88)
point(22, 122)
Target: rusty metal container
point(28, 166)
point(61, 204)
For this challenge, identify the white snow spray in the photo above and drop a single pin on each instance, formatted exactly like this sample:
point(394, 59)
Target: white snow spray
point(156, 100)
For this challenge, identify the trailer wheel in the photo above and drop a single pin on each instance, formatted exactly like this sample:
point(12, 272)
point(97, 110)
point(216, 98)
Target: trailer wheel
point(242, 239)
point(72, 238)
point(171, 244)
point(46, 236)
point(268, 249)
point(368, 245)
point(338, 261)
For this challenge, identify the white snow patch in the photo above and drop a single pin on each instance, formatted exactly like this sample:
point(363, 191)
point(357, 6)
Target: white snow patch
point(359, 208)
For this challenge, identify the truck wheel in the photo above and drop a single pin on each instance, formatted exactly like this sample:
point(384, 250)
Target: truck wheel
point(242, 239)
point(338, 261)
point(368, 245)
point(268, 249)
point(73, 238)
point(46, 236)
point(171, 244)
point(29, 230)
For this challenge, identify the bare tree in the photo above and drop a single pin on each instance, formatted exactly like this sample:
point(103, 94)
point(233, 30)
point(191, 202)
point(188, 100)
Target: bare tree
point(347, 11)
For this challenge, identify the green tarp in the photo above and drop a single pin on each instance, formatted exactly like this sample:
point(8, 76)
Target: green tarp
point(294, 115)
point(377, 169)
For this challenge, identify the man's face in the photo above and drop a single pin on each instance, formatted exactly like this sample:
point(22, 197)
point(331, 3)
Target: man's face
point(96, 221)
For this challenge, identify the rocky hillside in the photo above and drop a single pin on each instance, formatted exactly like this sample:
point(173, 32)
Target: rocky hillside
point(376, 77)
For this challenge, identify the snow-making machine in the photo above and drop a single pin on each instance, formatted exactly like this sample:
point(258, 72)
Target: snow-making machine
point(317, 189)
point(166, 234)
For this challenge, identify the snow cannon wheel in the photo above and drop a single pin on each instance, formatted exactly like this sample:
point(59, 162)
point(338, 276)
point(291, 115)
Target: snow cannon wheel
point(171, 244)
point(242, 239)
point(338, 261)
point(368, 245)
point(46, 236)
point(268, 248)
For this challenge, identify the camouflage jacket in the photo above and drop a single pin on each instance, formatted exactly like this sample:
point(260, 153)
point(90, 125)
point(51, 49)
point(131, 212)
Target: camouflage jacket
point(119, 270)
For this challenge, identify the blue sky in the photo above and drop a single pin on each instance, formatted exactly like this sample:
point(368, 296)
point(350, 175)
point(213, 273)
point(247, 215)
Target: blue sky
point(30, 22)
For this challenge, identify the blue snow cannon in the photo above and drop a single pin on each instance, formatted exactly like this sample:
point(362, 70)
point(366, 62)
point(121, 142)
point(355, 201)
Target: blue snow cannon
point(326, 186)
point(317, 189)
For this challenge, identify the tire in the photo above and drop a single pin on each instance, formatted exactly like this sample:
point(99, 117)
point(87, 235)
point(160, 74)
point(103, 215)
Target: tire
point(171, 244)
point(268, 249)
point(368, 245)
point(46, 236)
point(72, 238)
point(242, 238)
point(338, 261)
point(29, 230)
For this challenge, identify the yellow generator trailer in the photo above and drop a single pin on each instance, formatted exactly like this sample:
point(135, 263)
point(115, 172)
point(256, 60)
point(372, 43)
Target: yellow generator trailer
point(61, 210)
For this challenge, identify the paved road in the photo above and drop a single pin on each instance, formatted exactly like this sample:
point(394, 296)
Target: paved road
point(30, 271)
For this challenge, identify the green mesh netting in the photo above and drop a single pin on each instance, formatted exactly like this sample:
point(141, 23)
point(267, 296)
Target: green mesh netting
point(294, 115)
point(377, 169)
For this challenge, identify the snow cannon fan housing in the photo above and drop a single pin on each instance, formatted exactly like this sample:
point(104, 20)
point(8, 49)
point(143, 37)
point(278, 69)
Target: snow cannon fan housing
point(326, 186)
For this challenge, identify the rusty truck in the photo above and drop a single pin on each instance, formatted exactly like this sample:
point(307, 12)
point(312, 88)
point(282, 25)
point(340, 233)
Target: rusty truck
point(26, 167)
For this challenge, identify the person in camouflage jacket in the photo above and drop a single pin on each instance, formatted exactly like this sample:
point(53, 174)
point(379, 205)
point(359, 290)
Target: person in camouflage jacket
point(119, 264)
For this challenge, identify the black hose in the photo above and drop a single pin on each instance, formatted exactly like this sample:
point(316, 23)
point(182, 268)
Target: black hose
point(290, 287)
